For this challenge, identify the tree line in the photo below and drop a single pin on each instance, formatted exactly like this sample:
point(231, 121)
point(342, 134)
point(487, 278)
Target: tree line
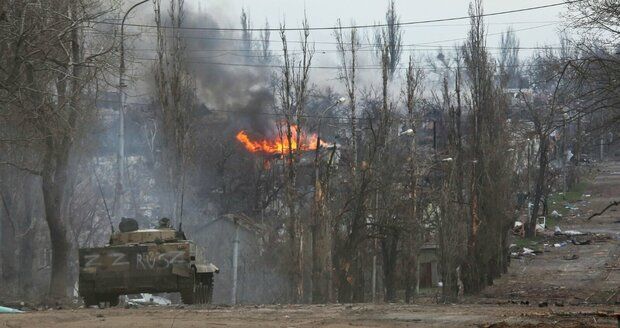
point(448, 150)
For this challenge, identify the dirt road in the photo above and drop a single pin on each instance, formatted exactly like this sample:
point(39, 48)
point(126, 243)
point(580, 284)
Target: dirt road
point(318, 316)
point(581, 292)
point(574, 274)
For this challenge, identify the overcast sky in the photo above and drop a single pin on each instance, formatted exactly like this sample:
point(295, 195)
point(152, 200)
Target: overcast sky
point(326, 12)
point(534, 28)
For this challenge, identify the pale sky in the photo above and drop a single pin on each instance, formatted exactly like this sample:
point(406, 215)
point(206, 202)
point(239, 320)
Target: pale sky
point(326, 12)
point(533, 28)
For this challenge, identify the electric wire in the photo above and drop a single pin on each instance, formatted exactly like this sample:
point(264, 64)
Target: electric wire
point(347, 27)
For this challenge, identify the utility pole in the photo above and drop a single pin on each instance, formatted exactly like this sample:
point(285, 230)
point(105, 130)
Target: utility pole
point(320, 242)
point(564, 154)
point(120, 156)
point(235, 263)
point(435, 137)
point(374, 253)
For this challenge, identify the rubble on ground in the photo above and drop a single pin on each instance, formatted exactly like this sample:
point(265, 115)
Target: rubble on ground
point(9, 310)
point(147, 299)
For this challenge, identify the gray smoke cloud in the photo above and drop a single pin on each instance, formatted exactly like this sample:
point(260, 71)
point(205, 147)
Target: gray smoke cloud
point(224, 84)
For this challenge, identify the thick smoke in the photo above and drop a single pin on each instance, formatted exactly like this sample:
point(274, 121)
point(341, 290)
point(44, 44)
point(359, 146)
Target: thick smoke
point(224, 78)
point(234, 93)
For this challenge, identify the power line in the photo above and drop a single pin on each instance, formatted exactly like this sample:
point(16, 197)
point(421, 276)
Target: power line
point(489, 34)
point(413, 45)
point(366, 67)
point(234, 53)
point(439, 20)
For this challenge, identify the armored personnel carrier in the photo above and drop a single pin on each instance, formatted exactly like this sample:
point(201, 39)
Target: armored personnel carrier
point(158, 260)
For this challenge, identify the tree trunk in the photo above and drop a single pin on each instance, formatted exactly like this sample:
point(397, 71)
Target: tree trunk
point(26, 243)
point(359, 282)
point(7, 253)
point(411, 276)
point(321, 258)
point(539, 191)
point(389, 249)
point(53, 180)
point(344, 278)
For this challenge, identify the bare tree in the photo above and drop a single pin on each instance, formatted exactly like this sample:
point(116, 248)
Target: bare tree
point(50, 90)
point(265, 35)
point(414, 233)
point(293, 93)
point(246, 34)
point(391, 35)
point(543, 111)
point(509, 60)
point(489, 185)
point(353, 215)
point(176, 95)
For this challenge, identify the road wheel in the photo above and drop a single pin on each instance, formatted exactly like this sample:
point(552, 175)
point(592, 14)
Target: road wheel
point(90, 300)
point(198, 290)
point(187, 291)
point(202, 293)
point(209, 289)
point(113, 300)
point(187, 296)
point(205, 288)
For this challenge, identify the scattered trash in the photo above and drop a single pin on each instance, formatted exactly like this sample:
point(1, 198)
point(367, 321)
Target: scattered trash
point(587, 195)
point(580, 242)
point(518, 229)
point(541, 223)
point(9, 310)
point(570, 257)
point(147, 299)
point(527, 251)
point(559, 232)
point(571, 207)
point(555, 214)
point(543, 304)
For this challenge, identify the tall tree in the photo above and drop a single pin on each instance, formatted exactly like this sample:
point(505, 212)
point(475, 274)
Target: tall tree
point(49, 92)
point(390, 35)
point(489, 185)
point(176, 95)
point(293, 97)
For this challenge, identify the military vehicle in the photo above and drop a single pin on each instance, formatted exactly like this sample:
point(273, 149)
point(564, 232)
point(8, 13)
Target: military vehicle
point(159, 260)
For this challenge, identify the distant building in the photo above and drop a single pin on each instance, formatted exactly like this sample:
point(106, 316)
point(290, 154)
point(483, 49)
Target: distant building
point(428, 272)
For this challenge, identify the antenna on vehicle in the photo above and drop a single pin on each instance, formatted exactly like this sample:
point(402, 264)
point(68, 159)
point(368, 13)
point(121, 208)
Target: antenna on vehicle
point(105, 204)
point(182, 198)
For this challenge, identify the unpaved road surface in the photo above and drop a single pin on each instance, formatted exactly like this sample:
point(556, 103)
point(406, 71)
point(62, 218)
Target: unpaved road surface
point(594, 276)
point(581, 292)
point(363, 315)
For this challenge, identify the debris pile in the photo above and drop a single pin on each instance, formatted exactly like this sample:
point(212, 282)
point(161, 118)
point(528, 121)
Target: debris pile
point(9, 310)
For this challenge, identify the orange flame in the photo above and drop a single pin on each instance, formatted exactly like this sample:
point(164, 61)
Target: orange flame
point(279, 145)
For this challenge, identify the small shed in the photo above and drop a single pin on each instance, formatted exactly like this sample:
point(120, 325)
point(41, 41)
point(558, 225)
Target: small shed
point(428, 273)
